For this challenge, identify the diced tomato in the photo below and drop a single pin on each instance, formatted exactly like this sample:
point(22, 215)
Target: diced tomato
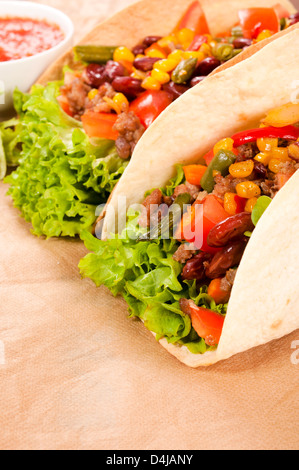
point(241, 203)
point(209, 157)
point(215, 291)
point(282, 179)
point(149, 105)
point(100, 125)
point(194, 19)
point(255, 20)
point(127, 65)
point(207, 324)
point(64, 104)
point(198, 42)
point(194, 173)
point(281, 11)
point(195, 220)
point(224, 35)
point(157, 50)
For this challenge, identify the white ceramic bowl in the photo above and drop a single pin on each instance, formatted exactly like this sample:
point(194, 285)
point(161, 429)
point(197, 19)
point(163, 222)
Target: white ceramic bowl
point(23, 73)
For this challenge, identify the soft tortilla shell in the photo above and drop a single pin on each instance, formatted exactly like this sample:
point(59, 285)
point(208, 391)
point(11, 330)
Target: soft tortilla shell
point(229, 101)
point(156, 17)
point(265, 295)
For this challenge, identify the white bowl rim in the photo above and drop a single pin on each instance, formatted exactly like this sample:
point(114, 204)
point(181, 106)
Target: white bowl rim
point(39, 7)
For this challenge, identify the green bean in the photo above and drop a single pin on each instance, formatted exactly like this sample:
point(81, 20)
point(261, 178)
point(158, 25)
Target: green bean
point(237, 52)
point(221, 163)
point(184, 71)
point(223, 52)
point(237, 32)
point(94, 54)
point(166, 226)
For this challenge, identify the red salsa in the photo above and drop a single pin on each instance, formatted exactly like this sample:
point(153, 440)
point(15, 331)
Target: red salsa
point(25, 37)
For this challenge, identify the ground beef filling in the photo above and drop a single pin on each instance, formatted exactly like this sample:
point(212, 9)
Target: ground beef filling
point(76, 90)
point(130, 131)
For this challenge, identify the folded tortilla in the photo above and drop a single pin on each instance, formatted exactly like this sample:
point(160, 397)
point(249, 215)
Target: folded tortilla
point(156, 17)
point(265, 297)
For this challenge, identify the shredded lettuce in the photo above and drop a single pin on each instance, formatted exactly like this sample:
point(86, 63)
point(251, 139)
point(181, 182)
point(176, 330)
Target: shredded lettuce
point(62, 175)
point(148, 278)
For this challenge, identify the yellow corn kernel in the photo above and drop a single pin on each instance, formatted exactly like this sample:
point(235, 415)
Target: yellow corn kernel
point(123, 53)
point(121, 103)
point(263, 157)
point(150, 83)
point(242, 169)
point(209, 37)
point(193, 55)
point(185, 36)
point(206, 50)
point(216, 173)
point(176, 56)
point(155, 53)
point(92, 94)
point(213, 44)
point(274, 165)
point(250, 204)
point(224, 144)
point(161, 77)
point(266, 144)
point(138, 74)
point(248, 189)
point(167, 40)
point(230, 205)
point(264, 35)
point(166, 65)
point(280, 153)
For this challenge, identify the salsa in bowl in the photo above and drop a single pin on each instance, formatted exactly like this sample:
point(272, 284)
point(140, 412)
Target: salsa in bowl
point(30, 41)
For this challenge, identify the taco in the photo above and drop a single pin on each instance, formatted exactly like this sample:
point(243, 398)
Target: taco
point(208, 260)
point(79, 125)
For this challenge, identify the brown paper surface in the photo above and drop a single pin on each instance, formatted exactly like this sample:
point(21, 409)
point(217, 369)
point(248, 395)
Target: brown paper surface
point(78, 374)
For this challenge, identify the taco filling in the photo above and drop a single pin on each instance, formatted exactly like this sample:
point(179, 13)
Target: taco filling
point(74, 138)
point(177, 259)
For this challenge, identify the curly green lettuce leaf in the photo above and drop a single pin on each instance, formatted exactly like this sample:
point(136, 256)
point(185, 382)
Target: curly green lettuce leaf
point(261, 206)
point(9, 152)
point(149, 279)
point(62, 175)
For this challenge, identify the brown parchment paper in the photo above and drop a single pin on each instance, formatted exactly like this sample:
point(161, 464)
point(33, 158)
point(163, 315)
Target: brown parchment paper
point(79, 375)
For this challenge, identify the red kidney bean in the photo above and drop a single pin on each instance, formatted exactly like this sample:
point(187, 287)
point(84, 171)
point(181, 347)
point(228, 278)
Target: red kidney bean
point(294, 18)
point(194, 268)
point(260, 170)
point(230, 229)
point(225, 259)
point(95, 74)
point(196, 80)
point(131, 87)
point(145, 63)
point(114, 69)
point(139, 49)
point(240, 43)
point(150, 40)
point(175, 90)
point(206, 66)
